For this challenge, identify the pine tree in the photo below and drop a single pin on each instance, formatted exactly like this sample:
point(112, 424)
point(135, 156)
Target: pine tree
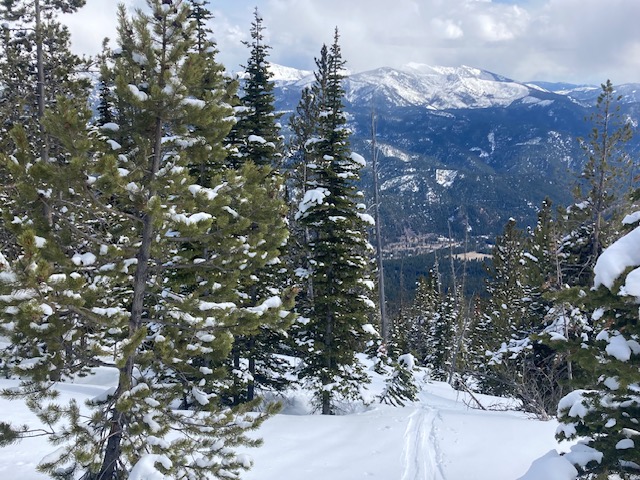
point(547, 368)
point(592, 218)
point(256, 134)
point(400, 386)
point(443, 332)
point(255, 140)
point(304, 127)
point(508, 319)
point(431, 332)
point(422, 311)
point(131, 260)
point(604, 414)
point(36, 66)
point(507, 308)
point(338, 251)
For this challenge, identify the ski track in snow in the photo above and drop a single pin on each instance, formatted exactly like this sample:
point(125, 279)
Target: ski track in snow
point(421, 456)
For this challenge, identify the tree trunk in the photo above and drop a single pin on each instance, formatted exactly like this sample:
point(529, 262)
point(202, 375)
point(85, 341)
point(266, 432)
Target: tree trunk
point(44, 146)
point(251, 385)
point(113, 451)
point(328, 355)
point(384, 321)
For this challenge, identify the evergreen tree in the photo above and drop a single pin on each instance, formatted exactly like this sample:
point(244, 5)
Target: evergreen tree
point(304, 125)
point(255, 139)
point(338, 251)
point(394, 360)
point(444, 330)
point(432, 326)
point(256, 135)
point(36, 66)
point(541, 261)
point(130, 260)
point(400, 386)
point(423, 312)
point(105, 113)
point(604, 415)
point(508, 319)
point(507, 304)
point(592, 219)
point(547, 368)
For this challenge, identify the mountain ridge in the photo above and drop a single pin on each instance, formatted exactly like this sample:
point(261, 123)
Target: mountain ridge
point(465, 144)
point(418, 84)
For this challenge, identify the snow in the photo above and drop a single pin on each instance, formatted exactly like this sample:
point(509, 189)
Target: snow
point(282, 73)
point(619, 348)
point(631, 286)
point(110, 126)
point(445, 177)
point(114, 145)
point(255, 139)
point(439, 437)
point(631, 219)
point(139, 58)
point(551, 467)
point(191, 219)
point(203, 306)
point(358, 159)
point(194, 102)
point(366, 218)
point(370, 329)
point(621, 255)
point(311, 198)
point(625, 444)
point(84, 259)
point(272, 302)
point(403, 182)
point(438, 88)
point(141, 96)
point(209, 193)
point(145, 468)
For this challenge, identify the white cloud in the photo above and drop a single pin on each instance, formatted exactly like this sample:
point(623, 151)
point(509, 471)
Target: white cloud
point(564, 40)
point(447, 29)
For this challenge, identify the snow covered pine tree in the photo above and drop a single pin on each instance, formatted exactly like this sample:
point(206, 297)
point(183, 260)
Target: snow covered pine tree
point(337, 248)
point(605, 415)
point(136, 266)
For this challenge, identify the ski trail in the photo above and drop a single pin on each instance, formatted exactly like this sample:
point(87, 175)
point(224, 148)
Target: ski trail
point(420, 455)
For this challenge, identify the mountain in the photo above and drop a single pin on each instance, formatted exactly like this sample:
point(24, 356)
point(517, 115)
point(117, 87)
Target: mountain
point(434, 88)
point(461, 145)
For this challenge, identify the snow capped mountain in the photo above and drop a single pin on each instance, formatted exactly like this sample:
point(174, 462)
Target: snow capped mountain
point(441, 88)
point(464, 142)
point(437, 88)
point(282, 74)
point(419, 85)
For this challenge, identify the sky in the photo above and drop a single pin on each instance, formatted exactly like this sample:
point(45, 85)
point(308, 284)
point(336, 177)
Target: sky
point(577, 41)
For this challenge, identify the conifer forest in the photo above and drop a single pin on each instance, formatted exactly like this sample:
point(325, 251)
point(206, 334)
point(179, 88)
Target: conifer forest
point(163, 221)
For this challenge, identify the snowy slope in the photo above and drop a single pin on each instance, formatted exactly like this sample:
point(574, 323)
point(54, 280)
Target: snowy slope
point(282, 74)
point(438, 438)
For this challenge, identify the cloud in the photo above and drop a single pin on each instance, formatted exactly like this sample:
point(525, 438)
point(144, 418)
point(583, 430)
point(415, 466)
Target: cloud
point(562, 40)
point(447, 29)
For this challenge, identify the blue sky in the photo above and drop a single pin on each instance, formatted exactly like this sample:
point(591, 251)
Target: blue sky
point(580, 41)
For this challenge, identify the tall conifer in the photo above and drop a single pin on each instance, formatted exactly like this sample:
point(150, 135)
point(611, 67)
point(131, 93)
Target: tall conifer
point(133, 259)
point(337, 248)
point(255, 140)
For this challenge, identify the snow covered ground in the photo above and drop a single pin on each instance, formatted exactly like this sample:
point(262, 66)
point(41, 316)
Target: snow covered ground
point(440, 437)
